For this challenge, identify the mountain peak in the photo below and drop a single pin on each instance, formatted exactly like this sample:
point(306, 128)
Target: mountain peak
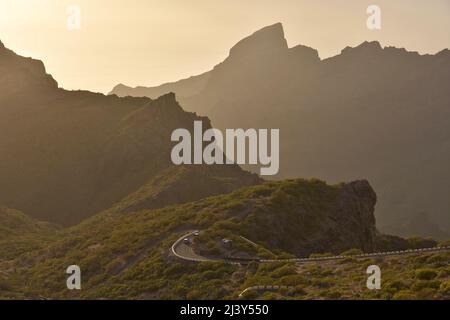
point(169, 98)
point(168, 101)
point(3, 49)
point(120, 90)
point(365, 47)
point(20, 71)
point(120, 86)
point(265, 40)
point(305, 53)
point(370, 44)
point(444, 52)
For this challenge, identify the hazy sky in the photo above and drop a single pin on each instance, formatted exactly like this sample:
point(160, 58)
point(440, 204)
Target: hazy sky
point(148, 42)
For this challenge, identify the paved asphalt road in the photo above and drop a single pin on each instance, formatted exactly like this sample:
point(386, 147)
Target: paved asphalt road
point(185, 252)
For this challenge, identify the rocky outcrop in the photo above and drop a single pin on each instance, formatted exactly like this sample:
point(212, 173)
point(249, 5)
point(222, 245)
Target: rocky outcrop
point(356, 212)
point(308, 216)
point(349, 224)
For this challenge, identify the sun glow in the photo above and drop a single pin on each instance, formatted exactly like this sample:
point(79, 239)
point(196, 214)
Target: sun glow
point(147, 42)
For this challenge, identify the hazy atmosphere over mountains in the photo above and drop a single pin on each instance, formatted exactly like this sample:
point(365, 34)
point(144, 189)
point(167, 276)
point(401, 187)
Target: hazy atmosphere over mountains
point(68, 155)
point(95, 170)
point(339, 188)
point(369, 112)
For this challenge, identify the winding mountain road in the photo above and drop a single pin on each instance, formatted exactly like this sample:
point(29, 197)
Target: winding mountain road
point(185, 251)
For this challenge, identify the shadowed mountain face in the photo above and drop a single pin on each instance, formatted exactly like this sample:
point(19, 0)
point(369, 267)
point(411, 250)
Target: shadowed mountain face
point(67, 155)
point(370, 112)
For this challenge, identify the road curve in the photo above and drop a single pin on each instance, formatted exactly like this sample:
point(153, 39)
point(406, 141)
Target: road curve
point(185, 252)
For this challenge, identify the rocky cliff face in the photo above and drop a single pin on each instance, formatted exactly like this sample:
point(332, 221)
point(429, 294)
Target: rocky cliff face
point(349, 223)
point(304, 216)
point(356, 212)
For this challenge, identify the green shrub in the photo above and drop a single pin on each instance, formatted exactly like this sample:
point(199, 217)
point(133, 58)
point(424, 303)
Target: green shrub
point(293, 280)
point(250, 295)
point(426, 294)
point(445, 287)
point(270, 296)
point(352, 252)
point(445, 243)
point(323, 283)
point(347, 260)
point(285, 271)
point(299, 291)
point(194, 295)
point(439, 259)
point(418, 243)
point(4, 285)
point(331, 294)
point(397, 285)
point(426, 274)
point(404, 295)
point(423, 284)
point(321, 255)
point(443, 273)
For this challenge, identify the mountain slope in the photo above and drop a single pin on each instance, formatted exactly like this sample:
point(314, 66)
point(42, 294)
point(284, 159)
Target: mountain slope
point(411, 277)
point(370, 112)
point(15, 224)
point(67, 155)
point(181, 184)
point(20, 234)
point(125, 255)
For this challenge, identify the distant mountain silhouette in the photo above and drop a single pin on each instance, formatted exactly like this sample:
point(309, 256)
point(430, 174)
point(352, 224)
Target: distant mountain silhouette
point(67, 155)
point(369, 112)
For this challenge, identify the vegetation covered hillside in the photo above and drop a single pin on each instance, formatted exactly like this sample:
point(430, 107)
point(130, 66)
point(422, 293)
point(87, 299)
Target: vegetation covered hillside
point(406, 277)
point(127, 254)
point(14, 223)
point(20, 233)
